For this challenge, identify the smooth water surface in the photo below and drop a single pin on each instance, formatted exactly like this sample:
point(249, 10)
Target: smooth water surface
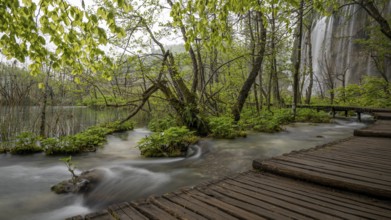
point(26, 180)
point(60, 120)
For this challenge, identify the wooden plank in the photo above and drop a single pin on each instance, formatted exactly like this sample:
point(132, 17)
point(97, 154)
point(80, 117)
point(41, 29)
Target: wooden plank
point(259, 206)
point(346, 172)
point(325, 191)
point(298, 199)
point(372, 133)
point(230, 209)
point(324, 179)
point(175, 209)
point(359, 164)
point(151, 211)
point(198, 206)
point(125, 211)
point(352, 164)
point(341, 155)
point(101, 215)
point(78, 217)
point(306, 192)
point(333, 174)
point(286, 202)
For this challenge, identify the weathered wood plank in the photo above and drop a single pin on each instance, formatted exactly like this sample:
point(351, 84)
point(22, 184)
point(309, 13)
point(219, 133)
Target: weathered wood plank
point(308, 194)
point(258, 205)
point(102, 215)
point(338, 170)
point(78, 217)
point(230, 209)
point(324, 179)
point(349, 164)
point(151, 211)
point(175, 209)
point(198, 206)
point(125, 211)
point(285, 202)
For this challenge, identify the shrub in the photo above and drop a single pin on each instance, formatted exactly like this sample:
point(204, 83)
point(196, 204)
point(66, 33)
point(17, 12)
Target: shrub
point(266, 121)
point(26, 143)
point(159, 125)
point(60, 146)
point(5, 147)
point(372, 92)
point(117, 126)
point(172, 142)
point(311, 115)
point(268, 126)
point(224, 127)
point(86, 141)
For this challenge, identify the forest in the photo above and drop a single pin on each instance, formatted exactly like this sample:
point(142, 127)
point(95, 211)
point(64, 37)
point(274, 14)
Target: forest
point(185, 68)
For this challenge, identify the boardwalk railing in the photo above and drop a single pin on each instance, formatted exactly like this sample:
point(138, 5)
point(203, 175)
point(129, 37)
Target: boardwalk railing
point(335, 108)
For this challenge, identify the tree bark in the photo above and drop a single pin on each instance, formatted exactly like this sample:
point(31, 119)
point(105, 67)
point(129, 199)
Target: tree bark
point(298, 59)
point(243, 94)
point(310, 69)
point(42, 129)
point(370, 8)
point(192, 57)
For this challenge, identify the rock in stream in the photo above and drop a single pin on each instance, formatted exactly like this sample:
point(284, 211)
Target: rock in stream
point(85, 182)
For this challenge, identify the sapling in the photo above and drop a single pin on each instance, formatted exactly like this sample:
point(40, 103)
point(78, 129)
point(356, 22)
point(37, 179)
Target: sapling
point(71, 168)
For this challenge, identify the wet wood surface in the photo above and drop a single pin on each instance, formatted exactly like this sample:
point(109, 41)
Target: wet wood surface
point(347, 179)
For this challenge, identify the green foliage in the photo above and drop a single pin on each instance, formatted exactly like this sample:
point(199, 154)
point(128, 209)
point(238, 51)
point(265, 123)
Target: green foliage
point(117, 126)
point(71, 168)
point(272, 121)
point(101, 102)
point(26, 143)
point(264, 122)
point(172, 142)
point(74, 33)
point(85, 141)
point(161, 124)
point(61, 146)
point(224, 127)
point(4, 147)
point(372, 92)
point(311, 115)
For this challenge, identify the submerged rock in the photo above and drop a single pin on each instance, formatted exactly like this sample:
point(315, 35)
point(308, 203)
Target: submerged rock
point(85, 182)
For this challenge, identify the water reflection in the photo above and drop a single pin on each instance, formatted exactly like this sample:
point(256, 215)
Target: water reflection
point(60, 120)
point(25, 186)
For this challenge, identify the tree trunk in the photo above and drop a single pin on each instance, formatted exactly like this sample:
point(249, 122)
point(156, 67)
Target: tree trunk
point(243, 94)
point(310, 69)
point(44, 104)
point(192, 57)
point(370, 8)
point(273, 72)
point(297, 61)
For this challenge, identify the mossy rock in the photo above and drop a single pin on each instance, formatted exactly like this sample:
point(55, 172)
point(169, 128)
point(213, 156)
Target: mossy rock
point(83, 183)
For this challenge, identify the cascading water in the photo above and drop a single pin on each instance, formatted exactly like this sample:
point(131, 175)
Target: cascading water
point(335, 47)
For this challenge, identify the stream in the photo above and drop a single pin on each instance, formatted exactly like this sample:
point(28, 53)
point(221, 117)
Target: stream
point(26, 180)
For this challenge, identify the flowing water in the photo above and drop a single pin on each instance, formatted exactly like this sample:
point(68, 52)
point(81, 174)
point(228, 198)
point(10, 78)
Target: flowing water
point(26, 180)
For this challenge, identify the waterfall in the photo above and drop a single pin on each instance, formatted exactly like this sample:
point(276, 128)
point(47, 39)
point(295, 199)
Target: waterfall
point(334, 45)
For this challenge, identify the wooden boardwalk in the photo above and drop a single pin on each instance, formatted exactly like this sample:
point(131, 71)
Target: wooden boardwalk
point(348, 179)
